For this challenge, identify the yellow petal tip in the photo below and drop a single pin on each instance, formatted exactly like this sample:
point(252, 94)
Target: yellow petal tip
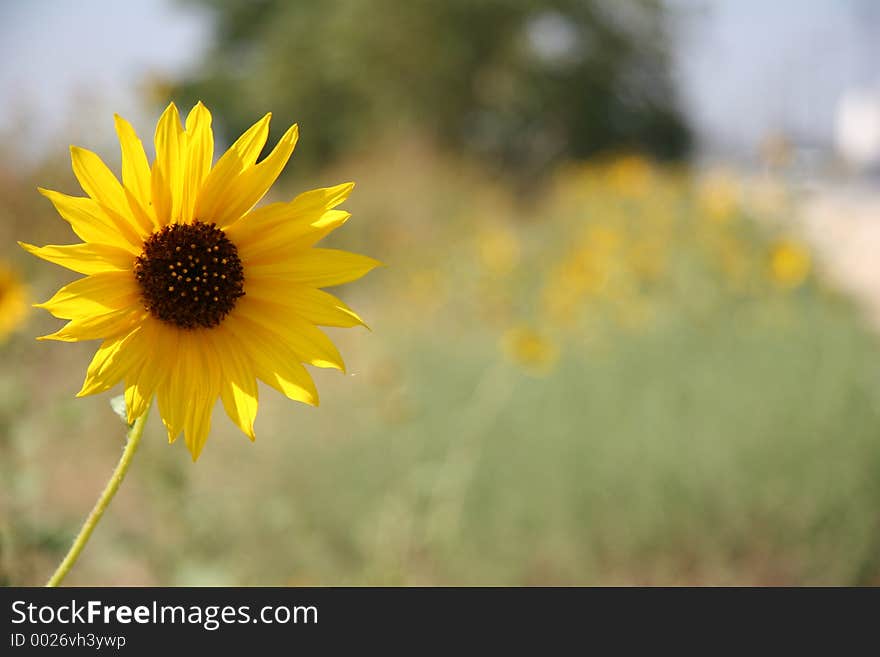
point(119, 122)
point(195, 450)
point(374, 264)
point(348, 187)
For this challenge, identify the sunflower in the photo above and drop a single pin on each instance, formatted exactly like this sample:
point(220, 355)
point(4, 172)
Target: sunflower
point(194, 293)
point(13, 308)
point(790, 264)
point(533, 350)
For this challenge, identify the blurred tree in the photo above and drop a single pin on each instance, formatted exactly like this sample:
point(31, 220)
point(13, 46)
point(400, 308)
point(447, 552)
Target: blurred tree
point(526, 82)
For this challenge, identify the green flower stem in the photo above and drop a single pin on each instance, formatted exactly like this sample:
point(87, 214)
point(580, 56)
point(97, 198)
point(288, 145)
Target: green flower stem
point(132, 442)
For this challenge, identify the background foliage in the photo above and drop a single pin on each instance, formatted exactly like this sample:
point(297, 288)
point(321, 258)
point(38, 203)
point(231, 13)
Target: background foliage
point(525, 82)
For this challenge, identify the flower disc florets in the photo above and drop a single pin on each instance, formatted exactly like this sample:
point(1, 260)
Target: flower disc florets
point(190, 275)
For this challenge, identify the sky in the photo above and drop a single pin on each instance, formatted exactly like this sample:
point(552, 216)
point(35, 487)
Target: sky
point(746, 68)
point(59, 54)
point(750, 67)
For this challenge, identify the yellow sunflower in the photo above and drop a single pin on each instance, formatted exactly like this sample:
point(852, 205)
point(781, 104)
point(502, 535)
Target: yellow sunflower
point(13, 308)
point(790, 263)
point(194, 293)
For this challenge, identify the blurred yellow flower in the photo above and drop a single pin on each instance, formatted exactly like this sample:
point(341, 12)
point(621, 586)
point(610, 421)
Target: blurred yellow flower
point(603, 240)
point(630, 175)
point(585, 271)
point(530, 349)
point(13, 306)
point(195, 294)
point(790, 264)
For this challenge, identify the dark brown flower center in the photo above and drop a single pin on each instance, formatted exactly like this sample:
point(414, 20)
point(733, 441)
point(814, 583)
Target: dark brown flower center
point(190, 275)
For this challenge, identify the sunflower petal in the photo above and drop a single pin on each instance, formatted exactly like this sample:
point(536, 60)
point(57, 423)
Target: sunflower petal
point(305, 340)
point(320, 200)
point(205, 380)
point(238, 387)
point(167, 173)
point(273, 361)
point(265, 242)
point(251, 185)
point(247, 148)
point(304, 209)
point(101, 185)
point(136, 402)
point(142, 214)
point(171, 394)
point(94, 295)
point(97, 180)
point(317, 267)
point(241, 155)
point(200, 152)
point(84, 258)
point(141, 384)
point(301, 215)
point(114, 358)
point(88, 220)
point(313, 305)
point(135, 166)
point(98, 327)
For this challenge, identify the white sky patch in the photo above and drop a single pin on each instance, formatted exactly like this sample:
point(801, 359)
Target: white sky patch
point(59, 56)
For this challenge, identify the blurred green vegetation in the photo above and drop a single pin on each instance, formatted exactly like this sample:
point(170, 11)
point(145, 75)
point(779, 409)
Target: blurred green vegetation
point(527, 83)
point(634, 376)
